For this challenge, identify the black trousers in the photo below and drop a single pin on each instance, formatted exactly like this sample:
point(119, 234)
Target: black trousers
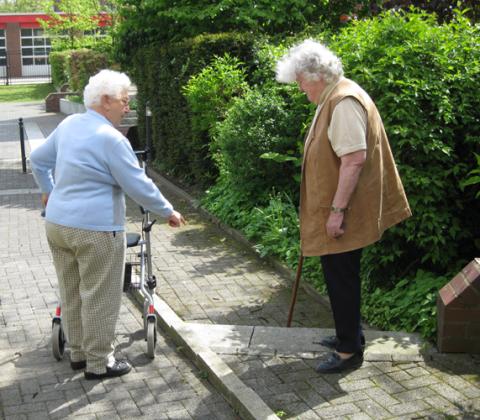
point(342, 275)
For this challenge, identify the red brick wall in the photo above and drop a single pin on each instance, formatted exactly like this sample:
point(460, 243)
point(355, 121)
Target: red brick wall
point(13, 49)
point(458, 312)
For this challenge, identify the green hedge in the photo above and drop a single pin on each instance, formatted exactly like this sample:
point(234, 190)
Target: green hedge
point(144, 22)
point(58, 64)
point(209, 94)
point(83, 64)
point(161, 72)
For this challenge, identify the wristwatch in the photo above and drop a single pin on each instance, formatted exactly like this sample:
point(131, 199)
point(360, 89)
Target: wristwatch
point(334, 209)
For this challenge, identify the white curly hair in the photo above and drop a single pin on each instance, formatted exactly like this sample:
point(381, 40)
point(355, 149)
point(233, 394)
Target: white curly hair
point(311, 60)
point(105, 82)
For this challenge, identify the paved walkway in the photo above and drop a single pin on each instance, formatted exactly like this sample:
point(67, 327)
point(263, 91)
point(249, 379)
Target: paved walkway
point(220, 307)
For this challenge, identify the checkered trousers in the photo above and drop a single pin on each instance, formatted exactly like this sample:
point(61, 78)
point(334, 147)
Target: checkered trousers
point(90, 267)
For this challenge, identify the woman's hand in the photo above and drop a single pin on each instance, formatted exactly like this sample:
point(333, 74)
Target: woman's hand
point(334, 225)
point(176, 219)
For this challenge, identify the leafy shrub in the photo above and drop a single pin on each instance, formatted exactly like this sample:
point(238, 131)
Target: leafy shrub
point(209, 94)
point(258, 123)
point(409, 306)
point(473, 177)
point(84, 64)
point(58, 64)
point(227, 203)
point(275, 229)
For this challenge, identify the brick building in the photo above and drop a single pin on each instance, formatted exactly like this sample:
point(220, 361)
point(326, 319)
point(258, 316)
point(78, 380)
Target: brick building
point(24, 48)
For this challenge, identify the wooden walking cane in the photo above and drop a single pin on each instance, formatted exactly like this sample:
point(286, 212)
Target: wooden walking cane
point(295, 289)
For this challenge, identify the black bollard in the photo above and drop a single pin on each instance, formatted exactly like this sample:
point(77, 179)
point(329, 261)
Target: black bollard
point(22, 145)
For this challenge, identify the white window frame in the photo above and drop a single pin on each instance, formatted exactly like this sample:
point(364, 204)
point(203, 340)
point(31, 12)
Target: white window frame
point(3, 53)
point(35, 50)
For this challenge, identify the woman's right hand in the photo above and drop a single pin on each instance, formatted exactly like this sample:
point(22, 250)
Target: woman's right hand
point(176, 219)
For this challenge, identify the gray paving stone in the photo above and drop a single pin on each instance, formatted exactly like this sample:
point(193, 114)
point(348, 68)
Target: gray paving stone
point(371, 408)
point(388, 384)
point(359, 416)
point(414, 394)
point(338, 411)
point(16, 417)
point(24, 408)
point(408, 407)
point(446, 391)
point(356, 385)
point(381, 397)
point(419, 382)
point(108, 415)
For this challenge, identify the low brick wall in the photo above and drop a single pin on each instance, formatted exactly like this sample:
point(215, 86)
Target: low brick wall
point(458, 312)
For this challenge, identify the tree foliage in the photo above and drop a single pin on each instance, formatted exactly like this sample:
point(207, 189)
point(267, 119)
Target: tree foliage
point(75, 23)
point(19, 6)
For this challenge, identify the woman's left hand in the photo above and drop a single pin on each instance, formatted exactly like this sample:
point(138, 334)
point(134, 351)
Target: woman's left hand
point(334, 226)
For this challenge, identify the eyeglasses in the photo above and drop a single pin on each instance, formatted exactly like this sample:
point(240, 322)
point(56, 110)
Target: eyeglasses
point(124, 100)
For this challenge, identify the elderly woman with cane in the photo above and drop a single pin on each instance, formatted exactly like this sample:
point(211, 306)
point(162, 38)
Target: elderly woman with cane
point(83, 170)
point(350, 192)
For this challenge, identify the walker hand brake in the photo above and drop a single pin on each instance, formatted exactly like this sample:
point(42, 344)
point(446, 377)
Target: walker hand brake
point(148, 226)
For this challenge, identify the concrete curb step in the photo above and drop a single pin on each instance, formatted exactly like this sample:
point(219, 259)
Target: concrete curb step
point(241, 397)
point(303, 342)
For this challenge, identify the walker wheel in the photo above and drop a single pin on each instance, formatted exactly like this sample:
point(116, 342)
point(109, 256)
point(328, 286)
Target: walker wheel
point(58, 339)
point(151, 337)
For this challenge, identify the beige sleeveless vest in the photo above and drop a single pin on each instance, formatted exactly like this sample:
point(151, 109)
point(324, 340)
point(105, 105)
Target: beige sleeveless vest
point(379, 200)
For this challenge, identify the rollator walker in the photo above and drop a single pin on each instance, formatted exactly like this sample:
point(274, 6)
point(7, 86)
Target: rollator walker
point(138, 273)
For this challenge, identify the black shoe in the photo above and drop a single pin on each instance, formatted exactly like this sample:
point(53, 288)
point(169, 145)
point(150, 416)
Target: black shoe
point(329, 342)
point(119, 368)
point(332, 342)
point(78, 365)
point(335, 364)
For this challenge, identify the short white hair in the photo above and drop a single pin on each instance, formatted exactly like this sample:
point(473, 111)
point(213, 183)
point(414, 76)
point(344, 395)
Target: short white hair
point(105, 82)
point(311, 60)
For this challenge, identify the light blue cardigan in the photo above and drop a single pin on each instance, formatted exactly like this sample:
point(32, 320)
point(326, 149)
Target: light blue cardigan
point(87, 165)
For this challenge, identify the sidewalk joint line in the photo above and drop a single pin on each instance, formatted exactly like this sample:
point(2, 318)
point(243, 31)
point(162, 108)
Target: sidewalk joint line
point(20, 191)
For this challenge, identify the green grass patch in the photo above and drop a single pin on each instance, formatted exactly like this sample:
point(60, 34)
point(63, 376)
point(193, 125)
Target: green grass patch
point(25, 93)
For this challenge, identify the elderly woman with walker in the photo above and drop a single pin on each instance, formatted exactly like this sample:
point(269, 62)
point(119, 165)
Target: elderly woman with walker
point(84, 169)
point(350, 191)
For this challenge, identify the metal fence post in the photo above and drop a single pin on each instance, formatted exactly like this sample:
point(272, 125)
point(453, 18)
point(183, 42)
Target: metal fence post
point(22, 145)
